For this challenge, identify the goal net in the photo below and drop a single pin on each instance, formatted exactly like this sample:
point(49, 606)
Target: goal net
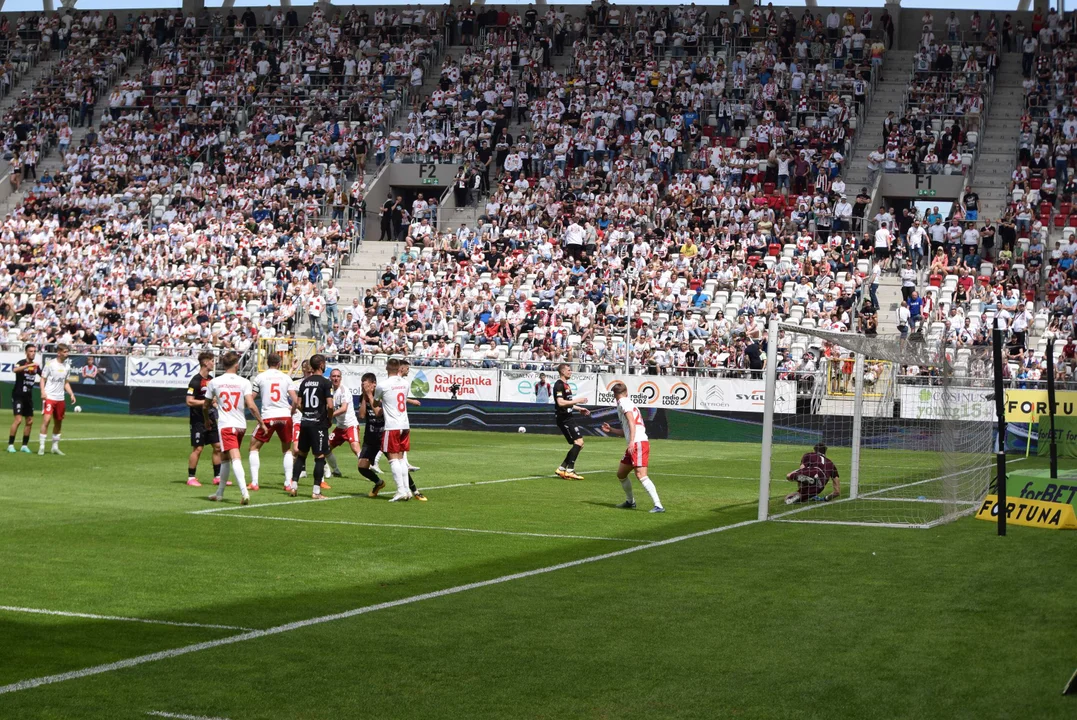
point(901, 420)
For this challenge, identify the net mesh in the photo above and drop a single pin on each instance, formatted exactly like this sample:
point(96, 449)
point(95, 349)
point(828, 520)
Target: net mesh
point(895, 416)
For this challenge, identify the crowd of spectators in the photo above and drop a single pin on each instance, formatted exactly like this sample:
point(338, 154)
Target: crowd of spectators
point(693, 161)
point(195, 209)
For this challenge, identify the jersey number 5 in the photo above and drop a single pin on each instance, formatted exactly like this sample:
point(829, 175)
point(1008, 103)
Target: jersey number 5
point(274, 392)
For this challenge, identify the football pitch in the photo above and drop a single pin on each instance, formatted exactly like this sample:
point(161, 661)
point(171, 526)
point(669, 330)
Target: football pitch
point(512, 593)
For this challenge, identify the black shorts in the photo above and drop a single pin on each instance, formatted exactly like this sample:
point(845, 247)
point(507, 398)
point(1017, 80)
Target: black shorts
point(882, 253)
point(200, 436)
point(22, 406)
point(570, 430)
point(314, 440)
point(371, 446)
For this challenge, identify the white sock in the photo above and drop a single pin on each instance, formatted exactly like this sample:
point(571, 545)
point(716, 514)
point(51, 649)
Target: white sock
point(627, 485)
point(56, 440)
point(226, 468)
point(400, 475)
point(332, 460)
point(255, 459)
point(289, 463)
point(42, 439)
point(651, 490)
point(377, 459)
point(237, 468)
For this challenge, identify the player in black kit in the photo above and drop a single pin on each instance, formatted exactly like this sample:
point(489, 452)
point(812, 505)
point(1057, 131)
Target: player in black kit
point(22, 399)
point(202, 434)
point(375, 425)
point(567, 410)
point(315, 394)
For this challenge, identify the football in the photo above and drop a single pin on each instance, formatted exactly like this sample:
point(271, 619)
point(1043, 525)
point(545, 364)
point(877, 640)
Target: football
point(521, 429)
point(78, 408)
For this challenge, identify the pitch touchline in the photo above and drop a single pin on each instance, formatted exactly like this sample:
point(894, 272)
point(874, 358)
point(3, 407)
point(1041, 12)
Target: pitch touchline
point(437, 527)
point(181, 716)
point(128, 437)
point(229, 508)
point(91, 616)
point(256, 634)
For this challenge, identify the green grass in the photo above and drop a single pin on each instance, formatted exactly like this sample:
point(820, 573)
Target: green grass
point(770, 620)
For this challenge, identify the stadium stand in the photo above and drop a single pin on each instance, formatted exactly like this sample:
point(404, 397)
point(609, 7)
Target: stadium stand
point(692, 161)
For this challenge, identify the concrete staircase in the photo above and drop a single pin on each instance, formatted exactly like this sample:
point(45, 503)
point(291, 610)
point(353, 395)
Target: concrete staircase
point(366, 266)
point(52, 162)
point(998, 146)
point(888, 96)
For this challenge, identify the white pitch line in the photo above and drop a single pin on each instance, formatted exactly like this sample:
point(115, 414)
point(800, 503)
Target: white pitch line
point(229, 508)
point(128, 437)
point(90, 616)
point(181, 716)
point(300, 624)
point(438, 527)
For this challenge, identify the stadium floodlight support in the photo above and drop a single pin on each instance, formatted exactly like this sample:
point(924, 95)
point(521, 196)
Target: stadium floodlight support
point(1000, 413)
point(1051, 405)
point(631, 277)
point(927, 465)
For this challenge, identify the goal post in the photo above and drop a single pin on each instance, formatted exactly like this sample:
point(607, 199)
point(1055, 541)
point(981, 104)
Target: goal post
point(905, 421)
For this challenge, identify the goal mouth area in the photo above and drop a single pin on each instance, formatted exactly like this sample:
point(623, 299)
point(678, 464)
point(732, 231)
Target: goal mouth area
point(885, 418)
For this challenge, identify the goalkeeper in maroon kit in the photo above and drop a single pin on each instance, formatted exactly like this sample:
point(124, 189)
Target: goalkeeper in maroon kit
point(815, 471)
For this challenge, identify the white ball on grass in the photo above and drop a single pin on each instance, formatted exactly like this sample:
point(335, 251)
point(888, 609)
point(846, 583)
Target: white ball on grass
point(78, 408)
point(521, 429)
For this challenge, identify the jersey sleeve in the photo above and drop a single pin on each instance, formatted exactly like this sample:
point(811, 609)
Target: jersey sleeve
point(559, 390)
point(191, 388)
point(210, 390)
point(248, 388)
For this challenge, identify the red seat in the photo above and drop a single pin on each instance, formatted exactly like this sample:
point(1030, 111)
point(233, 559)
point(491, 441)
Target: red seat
point(730, 141)
point(774, 250)
point(1035, 183)
point(1066, 208)
point(1073, 221)
point(769, 188)
point(1045, 208)
point(753, 260)
point(1051, 173)
point(1060, 220)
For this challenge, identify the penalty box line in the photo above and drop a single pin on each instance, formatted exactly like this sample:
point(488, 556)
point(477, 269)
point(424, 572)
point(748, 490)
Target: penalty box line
point(116, 618)
point(300, 624)
point(232, 508)
point(482, 531)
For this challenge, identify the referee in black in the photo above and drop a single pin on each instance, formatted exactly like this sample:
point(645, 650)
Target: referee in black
point(567, 411)
point(315, 394)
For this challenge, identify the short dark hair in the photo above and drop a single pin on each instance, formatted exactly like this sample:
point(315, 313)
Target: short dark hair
point(30, 346)
point(63, 348)
point(820, 448)
point(230, 359)
point(273, 360)
point(619, 389)
point(563, 365)
point(317, 362)
point(370, 377)
point(392, 366)
point(206, 355)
